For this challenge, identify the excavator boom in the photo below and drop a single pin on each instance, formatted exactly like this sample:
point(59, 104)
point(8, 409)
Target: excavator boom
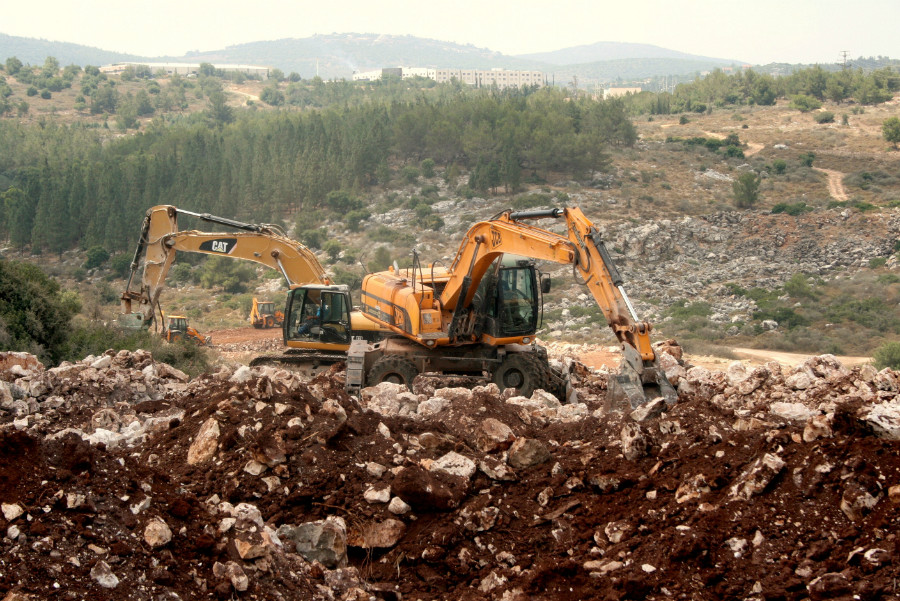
point(160, 239)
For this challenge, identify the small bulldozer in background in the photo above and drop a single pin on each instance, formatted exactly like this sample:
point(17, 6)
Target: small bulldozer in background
point(263, 314)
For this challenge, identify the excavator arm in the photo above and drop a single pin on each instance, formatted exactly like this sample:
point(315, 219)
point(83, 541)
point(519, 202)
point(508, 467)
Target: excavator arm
point(160, 240)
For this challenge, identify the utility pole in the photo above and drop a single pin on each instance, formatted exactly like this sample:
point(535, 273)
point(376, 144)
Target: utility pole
point(844, 63)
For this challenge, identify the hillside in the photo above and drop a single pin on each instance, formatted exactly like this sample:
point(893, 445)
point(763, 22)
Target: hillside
point(618, 51)
point(338, 56)
point(809, 268)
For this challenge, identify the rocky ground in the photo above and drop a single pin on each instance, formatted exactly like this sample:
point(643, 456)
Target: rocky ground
point(120, 478)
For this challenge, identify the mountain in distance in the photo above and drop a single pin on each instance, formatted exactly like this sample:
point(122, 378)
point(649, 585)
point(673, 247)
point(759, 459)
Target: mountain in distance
point(336, 56)
point(34, 51)
point(339, 55)
point(618, 51)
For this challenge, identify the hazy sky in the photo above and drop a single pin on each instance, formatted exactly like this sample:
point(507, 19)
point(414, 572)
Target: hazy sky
point(756, 31)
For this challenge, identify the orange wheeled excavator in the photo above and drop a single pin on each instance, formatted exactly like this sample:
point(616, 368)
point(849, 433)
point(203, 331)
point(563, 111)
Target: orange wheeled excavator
point(480, 314)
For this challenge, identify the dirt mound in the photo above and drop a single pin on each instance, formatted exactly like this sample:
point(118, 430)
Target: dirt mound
point(121, 479)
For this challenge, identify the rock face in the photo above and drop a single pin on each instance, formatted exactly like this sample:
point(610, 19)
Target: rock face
point(121, 479)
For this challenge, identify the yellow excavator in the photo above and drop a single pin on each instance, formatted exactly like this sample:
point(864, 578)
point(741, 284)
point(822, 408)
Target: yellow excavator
point(480, 314)
point(263, 314)
point(316, 338)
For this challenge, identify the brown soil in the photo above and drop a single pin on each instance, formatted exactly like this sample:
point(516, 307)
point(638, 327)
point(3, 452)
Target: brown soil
point(589, 522)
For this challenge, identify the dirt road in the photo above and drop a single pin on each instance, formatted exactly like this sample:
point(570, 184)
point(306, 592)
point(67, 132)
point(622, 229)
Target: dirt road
point(791, 359)
point(835, 183)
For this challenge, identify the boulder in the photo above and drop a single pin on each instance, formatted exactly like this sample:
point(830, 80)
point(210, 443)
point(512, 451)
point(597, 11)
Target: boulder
point(324, 541)
point(204, 446)
point(527, 452)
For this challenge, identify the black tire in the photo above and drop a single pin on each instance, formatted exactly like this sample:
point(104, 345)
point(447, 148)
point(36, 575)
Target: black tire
point(392, 369)
point(521, 371)
point(270, 321)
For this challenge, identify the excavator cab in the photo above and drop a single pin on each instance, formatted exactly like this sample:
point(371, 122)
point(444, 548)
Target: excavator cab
point(508, 299)
point(318, 314)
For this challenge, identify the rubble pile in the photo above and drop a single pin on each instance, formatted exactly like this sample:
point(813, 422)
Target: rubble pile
point(122, 479)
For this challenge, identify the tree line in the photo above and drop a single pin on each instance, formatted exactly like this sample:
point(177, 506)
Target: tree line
point(719, 89)
point(74, 185)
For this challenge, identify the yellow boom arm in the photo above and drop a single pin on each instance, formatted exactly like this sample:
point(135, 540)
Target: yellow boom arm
point(263, 244)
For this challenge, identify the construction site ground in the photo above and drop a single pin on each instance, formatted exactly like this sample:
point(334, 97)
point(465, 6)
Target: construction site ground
point(120, 478)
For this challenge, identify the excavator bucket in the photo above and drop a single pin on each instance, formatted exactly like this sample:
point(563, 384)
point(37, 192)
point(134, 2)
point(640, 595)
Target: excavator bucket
point(636, 383)
point(130, 321)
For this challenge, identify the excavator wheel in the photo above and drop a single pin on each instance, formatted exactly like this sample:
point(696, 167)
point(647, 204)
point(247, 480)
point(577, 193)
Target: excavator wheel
point(270, 321)
point(392, 369)
point(522, 371)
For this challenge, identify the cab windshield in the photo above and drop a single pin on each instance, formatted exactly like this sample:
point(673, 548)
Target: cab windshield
point(517, 301)
point(319, 316)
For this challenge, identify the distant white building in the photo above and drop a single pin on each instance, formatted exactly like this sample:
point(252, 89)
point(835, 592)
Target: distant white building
point(614, 92)
point(377, 74)
point(498, 77)
point(187, 68)
point(474, 77)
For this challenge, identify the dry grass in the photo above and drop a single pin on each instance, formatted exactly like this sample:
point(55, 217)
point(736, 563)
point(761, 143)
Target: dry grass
point(676, 188)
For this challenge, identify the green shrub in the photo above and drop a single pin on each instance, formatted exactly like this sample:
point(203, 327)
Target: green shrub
point(95, 257)
point(35, 313)
point(785, 316)
point(120, 264)
point(232, 276)
point(410, 174)
point(429, 191)
point(530, 201)
point(877, 262)
point(383, 233)
point(798, 287)
point(684, 310)
point(779, 166)
point(805, 103)
point(824, 117)
point(746, 190)
point(795, 208)
point(332, 248)
point(313, 238)
point(353, 219)
point(181, 273)
point(428, 168)
point(340, 202)
point(887, 355)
